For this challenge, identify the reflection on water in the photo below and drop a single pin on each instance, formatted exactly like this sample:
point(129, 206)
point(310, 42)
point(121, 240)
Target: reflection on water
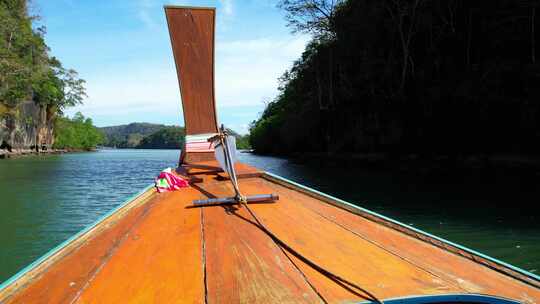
point(45, 200)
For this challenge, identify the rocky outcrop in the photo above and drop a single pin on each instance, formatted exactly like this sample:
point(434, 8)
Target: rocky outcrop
point(28, 126)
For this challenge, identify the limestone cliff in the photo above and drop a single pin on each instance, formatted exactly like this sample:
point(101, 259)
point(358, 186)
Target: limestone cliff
point(27, 126)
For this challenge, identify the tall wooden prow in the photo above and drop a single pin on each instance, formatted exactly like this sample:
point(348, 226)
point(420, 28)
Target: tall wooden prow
point(192, 37)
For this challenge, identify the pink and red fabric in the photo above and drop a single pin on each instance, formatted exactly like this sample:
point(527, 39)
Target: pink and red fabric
point(167, 181)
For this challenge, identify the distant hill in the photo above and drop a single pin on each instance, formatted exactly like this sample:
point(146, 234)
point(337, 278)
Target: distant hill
point(169, 137)
point(142, 135)
point(129, 136)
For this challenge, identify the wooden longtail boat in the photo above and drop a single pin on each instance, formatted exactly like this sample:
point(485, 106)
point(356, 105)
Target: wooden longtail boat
point(306, 247)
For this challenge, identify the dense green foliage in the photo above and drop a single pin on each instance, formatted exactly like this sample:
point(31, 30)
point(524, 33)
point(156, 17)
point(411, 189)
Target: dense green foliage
point(77, 133)
point(402, 76)
point(170, 137)
point(130, 135)
point(242, 141)
point(27, 71)
point(154, 136)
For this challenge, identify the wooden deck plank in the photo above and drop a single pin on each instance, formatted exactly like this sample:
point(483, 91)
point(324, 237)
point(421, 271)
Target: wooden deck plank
point(62, 281)
point(243, 265)
point(160, 262)
point(155, 254)
point(469, 276)
point(210, 167)
point(340, 251)
point(461, 272)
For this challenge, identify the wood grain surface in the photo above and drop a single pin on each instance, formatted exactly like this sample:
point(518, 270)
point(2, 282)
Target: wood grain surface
point(169, 251)
point(192, 38)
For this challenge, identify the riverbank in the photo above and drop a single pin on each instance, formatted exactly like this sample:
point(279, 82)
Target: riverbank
point(508, 182)
point(420, 163)
point(15, 153)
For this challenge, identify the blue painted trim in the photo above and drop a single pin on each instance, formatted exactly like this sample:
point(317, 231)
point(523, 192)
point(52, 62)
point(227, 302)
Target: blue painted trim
point(449, 298)
point(514, 268)
point(56, 249)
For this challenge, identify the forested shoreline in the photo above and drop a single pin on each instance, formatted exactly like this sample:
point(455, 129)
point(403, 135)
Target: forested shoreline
point(408, 77)
point(140, 135)
point(35, 90)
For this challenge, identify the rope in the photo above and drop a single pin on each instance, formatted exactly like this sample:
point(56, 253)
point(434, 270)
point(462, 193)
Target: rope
point(345, 284)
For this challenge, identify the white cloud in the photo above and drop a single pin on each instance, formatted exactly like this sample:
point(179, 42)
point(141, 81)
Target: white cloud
point(135, 88)
point(246, 73)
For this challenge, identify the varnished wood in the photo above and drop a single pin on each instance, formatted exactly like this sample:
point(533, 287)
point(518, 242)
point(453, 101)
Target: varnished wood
point(167, 251)
point(62, 275)
point(406, 230)
point(212, 167)
point(192, 33)
point(160, 261)
point(196, 157)
point(243, 266)
point(192, 38)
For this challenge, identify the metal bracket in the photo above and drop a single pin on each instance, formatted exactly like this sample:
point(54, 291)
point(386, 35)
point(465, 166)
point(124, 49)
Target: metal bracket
point(238, 198)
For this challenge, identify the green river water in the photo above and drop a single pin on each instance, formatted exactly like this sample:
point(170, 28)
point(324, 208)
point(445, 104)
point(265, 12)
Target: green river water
point(46, 199)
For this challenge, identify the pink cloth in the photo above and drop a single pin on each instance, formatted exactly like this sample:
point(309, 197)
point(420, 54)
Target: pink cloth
point(167, 181)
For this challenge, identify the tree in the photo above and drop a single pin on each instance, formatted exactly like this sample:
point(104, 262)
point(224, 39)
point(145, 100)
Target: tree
point(242, 141)
point(17, 44)
point(311, 16)
point(59, 87)
point(408, 76)
point(166, 138)
point(77, 132)
point(404, 14)
point(27, 71)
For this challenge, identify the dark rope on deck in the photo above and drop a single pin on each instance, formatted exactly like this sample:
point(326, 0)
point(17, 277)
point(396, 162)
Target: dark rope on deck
point(345, 284)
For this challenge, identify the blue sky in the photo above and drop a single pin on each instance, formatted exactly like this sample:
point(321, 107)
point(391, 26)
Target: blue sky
point(122, 49)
